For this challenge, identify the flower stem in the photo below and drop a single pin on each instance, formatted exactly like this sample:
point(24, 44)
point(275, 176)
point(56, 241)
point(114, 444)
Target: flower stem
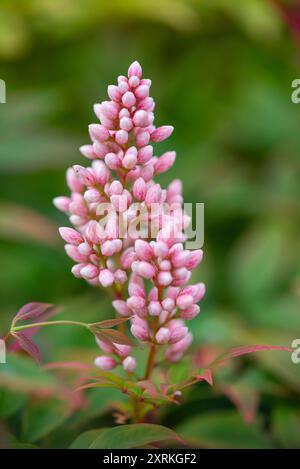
point(49, 323)
point(150, 362)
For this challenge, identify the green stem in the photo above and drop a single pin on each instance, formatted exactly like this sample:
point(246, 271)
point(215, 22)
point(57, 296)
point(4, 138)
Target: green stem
point(49, 323)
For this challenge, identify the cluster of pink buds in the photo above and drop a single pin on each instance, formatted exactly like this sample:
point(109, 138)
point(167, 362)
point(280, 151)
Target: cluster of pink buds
point(128, 231)
point(118, 354)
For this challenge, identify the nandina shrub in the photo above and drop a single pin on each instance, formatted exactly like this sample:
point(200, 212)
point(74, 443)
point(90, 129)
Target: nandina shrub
point(129, 240)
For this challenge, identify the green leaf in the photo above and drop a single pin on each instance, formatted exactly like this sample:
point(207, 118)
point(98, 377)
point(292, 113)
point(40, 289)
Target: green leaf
point(85, 439)
point(286, 427)
point(223, 430)
point(98, 402)
point(10, 403)
point(179, 371)
point(22, 375)
point(42, 417)
point(131, 436)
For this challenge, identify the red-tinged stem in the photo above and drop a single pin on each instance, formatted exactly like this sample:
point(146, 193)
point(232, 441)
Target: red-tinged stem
point(150, 362)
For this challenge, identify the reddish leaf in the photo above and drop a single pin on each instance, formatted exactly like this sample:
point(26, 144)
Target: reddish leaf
point(28, 346)
point(76, 366)
point(34, 311)
point(110, 323)
point(112, 336)
point(244, 398)
point(98, 384)
point(206, 376)
point(244, 350)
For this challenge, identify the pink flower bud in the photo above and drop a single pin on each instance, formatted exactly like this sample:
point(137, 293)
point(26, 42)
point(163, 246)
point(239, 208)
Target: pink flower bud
point(147, 172)
point(115, 188)
point(135, 303)
point(92, 195)
point(72, 252)
point(111, 228)
point(73, 183)
point(161, 133)
point(147, 104)
point(106, 278)
point(168, 304)
point(88, 151)
point(78, 208)
point(84, 175)
point(124, 113)
point(181, 273)
point(62, 203)
point(119, 202)
point(180, 259)
point(89, 271)
point(122, 350)
point(110, 247)
point(101, 172)
point(142, 92)
point(114, 92)
point(136, 287)
point(178, 333)
point(110, 109)
point(135, 70)
point(153, 195)
point(142, 138)
point(128, 99)
point(195, 259)
point(93, 232)
point(144, 269)
point(104, 346)
point(70, 235)
point(123, 87)
point(112, 161)
point(164, 278)
point(198, 292)
point(191, 312)
point(126, 124)
point(145, 154)
point(129, 161)
point(165, 265)
point(121, 307)
point(139, 332)
point(127, 258)
point(120, 276)
point(139, 189)
point(105, 363)
point(163, 335)
point(76, 270)
point(98, 132)
point(154, 308)
point(143, 250)
point(76, 220)
point(121, 137)
point(100, 149)
point(134, 81)
point(160, 249)
point(129, 364)
point(175, 188)
point(165, 162)
point(184, 301)
point(140, 118)
point(85, 249)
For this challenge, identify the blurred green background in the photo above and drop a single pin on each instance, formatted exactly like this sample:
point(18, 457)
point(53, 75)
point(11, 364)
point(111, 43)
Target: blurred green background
point(221, 73)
